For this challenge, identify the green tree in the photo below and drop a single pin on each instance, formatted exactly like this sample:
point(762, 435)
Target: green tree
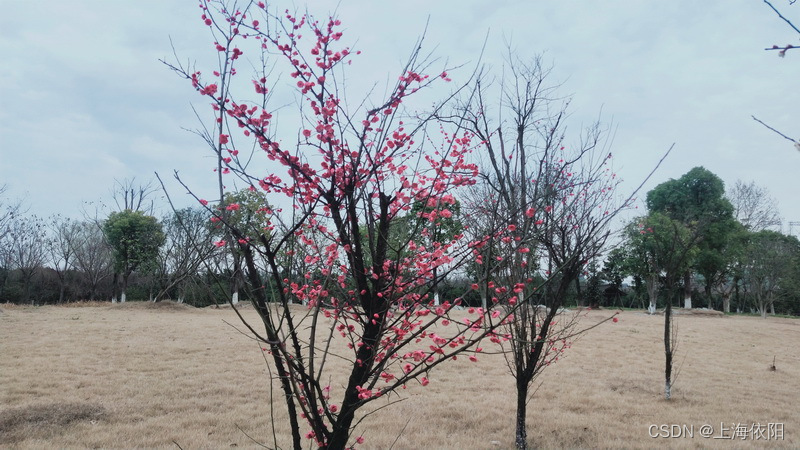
point(247, 212)
point(697, 200)
point(771, 259)
point(446, 221)
point(134, 239)
point(659, 249)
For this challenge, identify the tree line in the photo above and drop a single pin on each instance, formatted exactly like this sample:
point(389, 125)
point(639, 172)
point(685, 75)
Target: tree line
point(129, 253)
point(699, 245)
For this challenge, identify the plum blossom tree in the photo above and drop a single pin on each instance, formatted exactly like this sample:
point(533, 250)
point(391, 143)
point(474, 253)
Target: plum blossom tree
point(337, 182)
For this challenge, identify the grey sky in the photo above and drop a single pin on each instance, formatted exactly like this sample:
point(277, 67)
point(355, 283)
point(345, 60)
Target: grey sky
point(85, 100)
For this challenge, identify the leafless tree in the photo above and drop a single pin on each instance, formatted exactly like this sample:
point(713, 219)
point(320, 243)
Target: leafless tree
point(186, 250)
point(9, 209)
point(28, 251)
point(92, 256)
point(130, 195)
point(754, 207)
point(61, 243)
point(555, 202)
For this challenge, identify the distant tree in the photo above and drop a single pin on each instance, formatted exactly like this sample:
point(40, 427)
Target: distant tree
point(186, 250)
point(593, 295)
point(657, 251)
point(246, 210)
point(134, 239)
point(726, 279)
point(770, 258)
point(616, 269)
point(61, 244)
point(446, 220)
point(9, 209)
point(697, 201)
point(27, 246)
point(92, 256)
point(130, 195)
point(753, 206)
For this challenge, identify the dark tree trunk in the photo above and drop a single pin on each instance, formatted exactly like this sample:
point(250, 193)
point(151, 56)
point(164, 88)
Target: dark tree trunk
point(115, 287)
point(521, 436)
point(366, 353)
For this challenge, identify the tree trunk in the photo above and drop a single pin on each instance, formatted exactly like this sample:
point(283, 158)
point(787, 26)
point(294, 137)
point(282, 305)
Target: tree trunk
point(366, 353)
point(124, 290)
point(521, 437)
point(652, 292)
point(115, 287)
point(726, 303)
point(668, 350)
point(687, 290)
point(772, 308)
point(435, 289)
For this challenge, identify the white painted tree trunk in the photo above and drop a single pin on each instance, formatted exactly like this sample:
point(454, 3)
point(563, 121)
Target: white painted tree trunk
point(667, 390)
point(652, 292)
point(235, 298)
point(436, 299)
point(122, 297)
point(687, 302)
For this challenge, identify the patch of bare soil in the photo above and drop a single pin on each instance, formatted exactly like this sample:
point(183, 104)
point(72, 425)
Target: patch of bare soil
point(43, 421)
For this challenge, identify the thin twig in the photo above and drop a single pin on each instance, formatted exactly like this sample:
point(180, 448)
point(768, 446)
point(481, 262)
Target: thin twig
point(409, 420)
point(781, 16)
point(248, 436)
point(773, 129)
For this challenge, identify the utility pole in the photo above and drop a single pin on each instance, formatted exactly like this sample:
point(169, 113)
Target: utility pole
point(791, 227)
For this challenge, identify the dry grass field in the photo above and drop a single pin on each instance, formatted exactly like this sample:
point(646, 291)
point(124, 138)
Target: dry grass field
point(169, 376)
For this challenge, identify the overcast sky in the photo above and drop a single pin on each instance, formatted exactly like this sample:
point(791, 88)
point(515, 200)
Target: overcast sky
point(84, 99)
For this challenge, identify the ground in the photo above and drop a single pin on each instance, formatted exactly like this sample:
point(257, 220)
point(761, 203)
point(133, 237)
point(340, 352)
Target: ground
point(169, 376)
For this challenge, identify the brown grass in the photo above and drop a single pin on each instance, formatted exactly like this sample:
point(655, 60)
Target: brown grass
point(144, 375)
